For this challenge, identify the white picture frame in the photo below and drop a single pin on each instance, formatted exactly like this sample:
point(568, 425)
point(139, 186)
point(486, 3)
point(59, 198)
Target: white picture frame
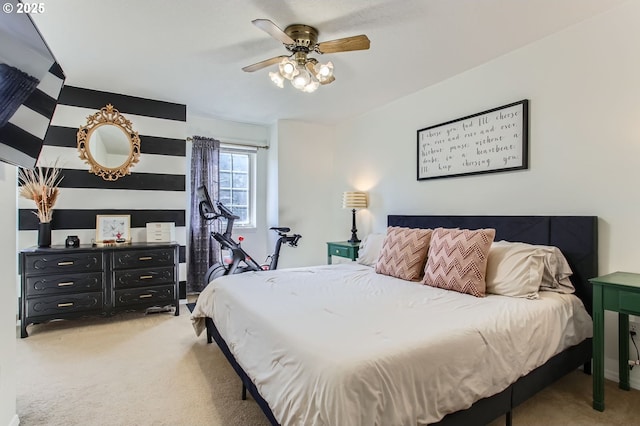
point(113, 228)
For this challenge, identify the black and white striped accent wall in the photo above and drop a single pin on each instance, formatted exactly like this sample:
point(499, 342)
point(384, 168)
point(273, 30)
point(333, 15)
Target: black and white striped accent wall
point(154, 192)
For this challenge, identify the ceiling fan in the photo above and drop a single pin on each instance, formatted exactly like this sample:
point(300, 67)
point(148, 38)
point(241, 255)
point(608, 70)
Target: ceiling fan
point(305, 73)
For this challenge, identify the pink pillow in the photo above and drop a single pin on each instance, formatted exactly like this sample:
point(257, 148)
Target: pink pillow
point(404, 253)
point(458, 260)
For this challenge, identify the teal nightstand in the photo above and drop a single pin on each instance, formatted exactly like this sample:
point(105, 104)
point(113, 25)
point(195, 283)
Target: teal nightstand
point(618, 292)
point(342, 249)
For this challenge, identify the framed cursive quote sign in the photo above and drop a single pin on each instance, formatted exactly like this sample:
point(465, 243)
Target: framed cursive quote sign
point(489, 141)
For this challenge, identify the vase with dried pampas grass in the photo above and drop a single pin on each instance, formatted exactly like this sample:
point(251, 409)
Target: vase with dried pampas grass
point(40, 184)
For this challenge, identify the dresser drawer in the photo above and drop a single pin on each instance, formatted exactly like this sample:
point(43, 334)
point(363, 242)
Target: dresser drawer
point(144, 277)
point(143, 258)
point(45, 263)
point(163, 295)
point(63, 283)
point(56, 305)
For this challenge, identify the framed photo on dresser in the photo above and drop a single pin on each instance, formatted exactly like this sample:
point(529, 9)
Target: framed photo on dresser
point(113, 228)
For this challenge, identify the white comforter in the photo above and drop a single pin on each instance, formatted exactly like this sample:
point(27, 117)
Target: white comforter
point(341, 345)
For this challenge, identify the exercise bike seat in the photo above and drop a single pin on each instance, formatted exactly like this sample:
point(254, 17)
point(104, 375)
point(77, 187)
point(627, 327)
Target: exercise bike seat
point(280, 229)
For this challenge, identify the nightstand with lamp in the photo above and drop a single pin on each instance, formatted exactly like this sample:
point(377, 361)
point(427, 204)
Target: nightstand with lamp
point(349, 249)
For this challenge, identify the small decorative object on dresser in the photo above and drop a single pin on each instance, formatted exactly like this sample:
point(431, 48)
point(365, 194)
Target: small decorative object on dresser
point(41, 185)
point(44, 234)
point(161, 232)
point(72, 241)
point(62, 283)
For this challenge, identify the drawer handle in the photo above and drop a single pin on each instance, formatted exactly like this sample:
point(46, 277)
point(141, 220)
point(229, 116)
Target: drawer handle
point(65, 284)
point(145, 258)
point(65, 305)
point(337, 251)
point(146, 277)
point(70, 262)
point(144, 296)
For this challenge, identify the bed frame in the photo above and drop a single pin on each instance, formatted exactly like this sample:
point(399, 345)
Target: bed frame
point(575, 236)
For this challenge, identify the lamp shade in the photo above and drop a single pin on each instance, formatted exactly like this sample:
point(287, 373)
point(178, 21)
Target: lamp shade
point(354, 200)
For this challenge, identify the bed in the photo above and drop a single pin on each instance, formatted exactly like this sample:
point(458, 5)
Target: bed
point(302, 349)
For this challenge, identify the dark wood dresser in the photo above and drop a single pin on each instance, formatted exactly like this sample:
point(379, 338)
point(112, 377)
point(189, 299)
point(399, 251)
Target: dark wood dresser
point(62, 283)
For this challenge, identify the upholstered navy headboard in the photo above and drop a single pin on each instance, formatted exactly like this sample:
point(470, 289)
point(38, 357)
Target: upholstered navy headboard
point(575, 236)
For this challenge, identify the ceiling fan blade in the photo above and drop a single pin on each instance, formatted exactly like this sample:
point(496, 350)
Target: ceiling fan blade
point(272, 29)
point(359, 42)
point(310, 66)
point(263, 64)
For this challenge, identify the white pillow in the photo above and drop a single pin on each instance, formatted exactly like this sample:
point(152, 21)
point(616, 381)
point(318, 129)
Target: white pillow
point(514, 269)
point(370, 248)
point(556, 271)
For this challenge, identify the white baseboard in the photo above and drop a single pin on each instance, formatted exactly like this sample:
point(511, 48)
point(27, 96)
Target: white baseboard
point(15, 421)
point(612, 374)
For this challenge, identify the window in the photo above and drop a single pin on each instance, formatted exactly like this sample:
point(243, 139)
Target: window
point(237, 187)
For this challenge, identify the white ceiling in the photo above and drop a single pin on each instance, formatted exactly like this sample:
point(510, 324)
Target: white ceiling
point(192, 51)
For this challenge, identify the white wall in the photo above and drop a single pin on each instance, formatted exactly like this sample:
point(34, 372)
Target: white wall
point(305, 195)
point(273, 200)
point(583, 86)
point(8, 296)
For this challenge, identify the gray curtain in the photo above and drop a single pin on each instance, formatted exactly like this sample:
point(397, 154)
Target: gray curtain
point(15, 88)
point(205, 153)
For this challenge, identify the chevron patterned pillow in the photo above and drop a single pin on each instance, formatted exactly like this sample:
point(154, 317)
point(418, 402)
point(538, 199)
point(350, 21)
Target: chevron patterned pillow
point(458, 260)
point(404, 253)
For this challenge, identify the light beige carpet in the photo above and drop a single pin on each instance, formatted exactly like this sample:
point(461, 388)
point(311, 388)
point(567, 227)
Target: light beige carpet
point(133, 369)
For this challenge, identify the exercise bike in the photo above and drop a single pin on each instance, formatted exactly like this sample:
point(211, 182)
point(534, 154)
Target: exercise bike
point(240, 259)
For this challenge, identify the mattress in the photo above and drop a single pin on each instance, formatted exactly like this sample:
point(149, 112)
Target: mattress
point(340, 344)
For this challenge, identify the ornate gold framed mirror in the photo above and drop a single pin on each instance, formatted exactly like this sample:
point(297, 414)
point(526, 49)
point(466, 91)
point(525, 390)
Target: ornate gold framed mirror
point(109, 144)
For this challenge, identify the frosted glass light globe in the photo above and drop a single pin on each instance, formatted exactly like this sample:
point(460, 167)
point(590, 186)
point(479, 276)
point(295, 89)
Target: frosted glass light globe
point(287, 69)
point(324, 71)
point(311, 87)
point(277, 79)
point(301, 79)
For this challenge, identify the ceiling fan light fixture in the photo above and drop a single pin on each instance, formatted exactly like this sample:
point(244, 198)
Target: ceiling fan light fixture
point(312, 86)
point(324, 72)
point(288, 68)
point(301, 79)
point(277, 79)
point(305, 73)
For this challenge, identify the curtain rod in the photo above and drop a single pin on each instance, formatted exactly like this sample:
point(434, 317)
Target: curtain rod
point(237, 142)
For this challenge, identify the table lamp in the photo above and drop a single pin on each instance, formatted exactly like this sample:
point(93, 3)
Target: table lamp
point(354, 200)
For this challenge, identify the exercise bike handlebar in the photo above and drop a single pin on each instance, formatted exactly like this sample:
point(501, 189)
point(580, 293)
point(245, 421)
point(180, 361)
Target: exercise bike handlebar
point(209, 213)
point(226, 212)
